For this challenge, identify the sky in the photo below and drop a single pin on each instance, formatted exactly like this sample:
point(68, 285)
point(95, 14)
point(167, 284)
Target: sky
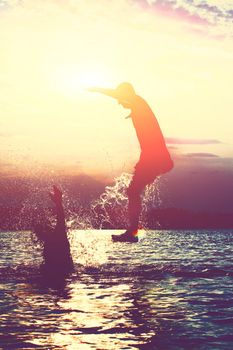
point(176, 53)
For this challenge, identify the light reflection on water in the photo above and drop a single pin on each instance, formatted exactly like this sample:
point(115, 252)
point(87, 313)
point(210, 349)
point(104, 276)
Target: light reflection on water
point(172, 290)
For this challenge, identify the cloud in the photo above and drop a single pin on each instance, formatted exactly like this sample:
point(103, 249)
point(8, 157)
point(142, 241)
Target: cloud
point(6, 4)
point(3, 4)
point(171, 9)
point(198, 13)
point(181, 141)
point(201, 155)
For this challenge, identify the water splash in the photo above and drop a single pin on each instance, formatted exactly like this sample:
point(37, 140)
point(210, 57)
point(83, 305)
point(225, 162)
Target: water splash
point(110, 208)
point(35, 208)
point(89, 247)
point(107, 211)
point(151, 199)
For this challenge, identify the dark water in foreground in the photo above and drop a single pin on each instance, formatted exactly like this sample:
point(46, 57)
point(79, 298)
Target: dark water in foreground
point(172, 290)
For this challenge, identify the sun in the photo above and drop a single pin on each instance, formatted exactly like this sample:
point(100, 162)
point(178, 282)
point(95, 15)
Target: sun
point(71, 79)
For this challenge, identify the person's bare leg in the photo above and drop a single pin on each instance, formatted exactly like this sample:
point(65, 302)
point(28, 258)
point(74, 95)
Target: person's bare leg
point(134, 207)
point(136, 187)
point(134, 192)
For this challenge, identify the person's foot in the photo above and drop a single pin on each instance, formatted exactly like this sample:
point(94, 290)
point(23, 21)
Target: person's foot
point(128, 236)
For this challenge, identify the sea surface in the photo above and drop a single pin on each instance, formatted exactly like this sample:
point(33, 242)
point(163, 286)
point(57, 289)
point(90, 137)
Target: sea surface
point(172, 290)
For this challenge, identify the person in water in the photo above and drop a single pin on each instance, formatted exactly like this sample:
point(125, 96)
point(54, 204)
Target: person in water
point(56, 247)
point(154, 158)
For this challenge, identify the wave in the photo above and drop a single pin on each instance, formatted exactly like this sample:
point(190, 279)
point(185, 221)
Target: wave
point(23, 273)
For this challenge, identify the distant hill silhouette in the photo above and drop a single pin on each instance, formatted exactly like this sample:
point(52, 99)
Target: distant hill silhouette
point(167, 218)
point(23, 200)
point(15, 190)
point(175, 218)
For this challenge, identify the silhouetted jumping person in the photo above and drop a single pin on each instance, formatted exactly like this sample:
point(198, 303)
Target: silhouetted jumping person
point(154, 158)
point(56, 247)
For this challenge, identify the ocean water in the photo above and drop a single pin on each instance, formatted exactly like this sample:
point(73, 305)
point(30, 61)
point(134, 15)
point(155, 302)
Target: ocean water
point(172, 290)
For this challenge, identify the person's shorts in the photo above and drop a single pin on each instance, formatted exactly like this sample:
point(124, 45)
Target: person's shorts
point(155, 168)
point(146, 172)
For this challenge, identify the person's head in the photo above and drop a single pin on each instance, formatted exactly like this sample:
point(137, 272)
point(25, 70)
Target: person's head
point(125, 94)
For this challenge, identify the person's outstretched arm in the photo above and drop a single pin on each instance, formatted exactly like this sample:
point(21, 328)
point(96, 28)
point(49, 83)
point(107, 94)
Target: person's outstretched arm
point(108, 92)
point(56, 197)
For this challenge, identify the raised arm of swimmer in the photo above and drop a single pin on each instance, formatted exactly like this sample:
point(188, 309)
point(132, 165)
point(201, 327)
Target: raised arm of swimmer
point(56, 197)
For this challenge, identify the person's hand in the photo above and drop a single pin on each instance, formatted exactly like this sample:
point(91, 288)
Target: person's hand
point(56, 195)
point(93, 89)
